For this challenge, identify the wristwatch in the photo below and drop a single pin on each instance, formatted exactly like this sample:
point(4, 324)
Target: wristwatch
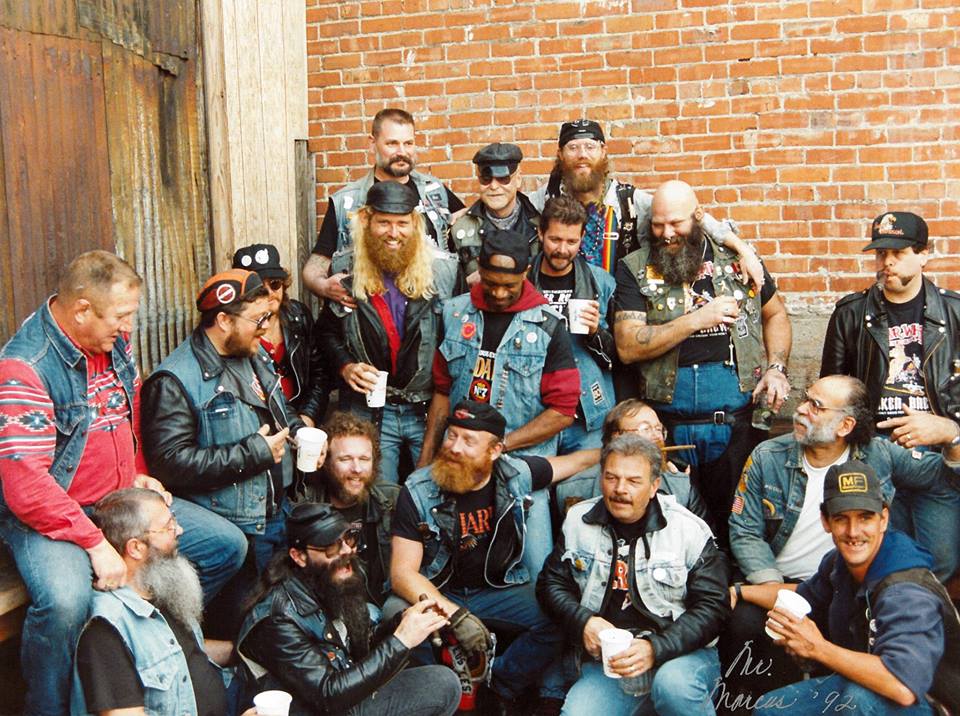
point(956, 440)
point(778, 367)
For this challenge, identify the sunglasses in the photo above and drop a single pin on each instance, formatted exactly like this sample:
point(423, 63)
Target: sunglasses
point(817, 405)
point(275, 284)
point(485, 179)
point(351, 538)
point(261, 322)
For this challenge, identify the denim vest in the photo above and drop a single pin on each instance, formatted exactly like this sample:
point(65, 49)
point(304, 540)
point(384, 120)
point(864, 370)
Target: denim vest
point(659, 577)
point(441, 531)
point(157, 655)
point(515, 388)
point(423, 313)
point(62, 367)
point(596, 383)
point(224, 418)
point(433, 205)
point(666, 303)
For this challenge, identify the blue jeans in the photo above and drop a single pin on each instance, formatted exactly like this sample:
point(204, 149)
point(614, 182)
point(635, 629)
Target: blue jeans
point(274, 537)
point(538, 542)
point(400, 425)
point(831, 695)
point(58, 577)
point(577, 437)
point(681, 687)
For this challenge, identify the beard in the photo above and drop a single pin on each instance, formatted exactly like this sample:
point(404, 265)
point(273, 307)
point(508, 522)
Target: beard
point(236, 347)
point(173, 585)
point(684, 265)
point(581, 184)
point(345, 600)
point(817, 435)
point(392, 262)
point(335, 486)
point(397, 166)
point(459, 475)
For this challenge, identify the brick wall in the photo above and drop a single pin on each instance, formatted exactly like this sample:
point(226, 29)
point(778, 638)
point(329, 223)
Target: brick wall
point(801, 119)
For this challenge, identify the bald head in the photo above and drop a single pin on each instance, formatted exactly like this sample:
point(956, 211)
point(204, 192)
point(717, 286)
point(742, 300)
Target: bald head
point(672, 200)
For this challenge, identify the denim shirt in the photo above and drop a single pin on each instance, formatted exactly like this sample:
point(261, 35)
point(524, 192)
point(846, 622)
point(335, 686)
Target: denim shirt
point(441, 533)
point(773, 484)
point(157, 655)
point(433, 205)
point(41, 344)
point(515, 389)
point(596, 382)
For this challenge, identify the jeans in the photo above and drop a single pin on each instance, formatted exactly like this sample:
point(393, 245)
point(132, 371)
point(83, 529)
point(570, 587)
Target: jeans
point(576, 437)
point(832, 695)
point(58, 577)
point(400, 425)
point(274, 537)
point(681, 687)
point(420, 691)
point(539, 539)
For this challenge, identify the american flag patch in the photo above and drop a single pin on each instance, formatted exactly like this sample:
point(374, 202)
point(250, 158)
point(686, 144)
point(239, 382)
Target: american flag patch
point(737, 508)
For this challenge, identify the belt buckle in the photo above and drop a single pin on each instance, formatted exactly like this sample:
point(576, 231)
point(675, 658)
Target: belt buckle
point(719, 417)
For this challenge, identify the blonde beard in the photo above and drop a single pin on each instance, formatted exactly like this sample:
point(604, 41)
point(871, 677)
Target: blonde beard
point(459, 476)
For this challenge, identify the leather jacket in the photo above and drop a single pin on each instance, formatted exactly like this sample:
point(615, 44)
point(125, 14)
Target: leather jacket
point(468, 232)
point(857, 344)
point(306, 361)
point(288, 642)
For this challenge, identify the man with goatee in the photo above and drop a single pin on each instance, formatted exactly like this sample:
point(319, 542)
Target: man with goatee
point(398, 279)
point(706, 343)
point(142, 650)
point(310, 632)
point(458, 535)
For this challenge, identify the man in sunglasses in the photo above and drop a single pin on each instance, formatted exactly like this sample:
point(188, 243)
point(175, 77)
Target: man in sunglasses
point(215, 418)
point(775, 529)
point(310, 630)
point(501, 206)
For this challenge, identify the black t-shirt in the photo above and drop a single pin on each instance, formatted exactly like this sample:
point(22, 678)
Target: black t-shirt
point(619, 610)
point(558, 290)
point(327, 236)
point(369, 548)
point(706, 346)
point(475, 517)
point(110, 679)
point(904, 383)
point(494, 326)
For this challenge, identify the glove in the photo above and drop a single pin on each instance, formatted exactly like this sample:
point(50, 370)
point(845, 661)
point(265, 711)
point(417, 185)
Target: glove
point(473, 636)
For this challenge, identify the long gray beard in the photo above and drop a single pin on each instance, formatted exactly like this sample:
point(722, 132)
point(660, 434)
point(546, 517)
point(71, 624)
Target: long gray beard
point(824, 434)
point(174, 587)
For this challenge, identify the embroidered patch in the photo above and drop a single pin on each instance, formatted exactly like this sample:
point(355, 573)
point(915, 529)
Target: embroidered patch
point(853, 482)
point(742, 485)
point(737, 507)
point(770, 508)
point(597, 393)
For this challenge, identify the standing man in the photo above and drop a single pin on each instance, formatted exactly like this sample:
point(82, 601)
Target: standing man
point(69, 432)
point(703, 341)
point(561, 274)
point(901, 337)
point(504, 346)
point(634, 559)
point(501, 206)
point(393, 145)
point(398, 281)
point(883, 610)
point(218, 423)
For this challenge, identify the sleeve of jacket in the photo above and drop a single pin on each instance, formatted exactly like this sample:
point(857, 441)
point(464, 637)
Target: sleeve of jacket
point(601, 347)
point(315, 404)
point(707, 608)
point(300, 663)
point(833, 361)
point(332, 344)
point(752, 553)
point(559, 595)
point(170, 443)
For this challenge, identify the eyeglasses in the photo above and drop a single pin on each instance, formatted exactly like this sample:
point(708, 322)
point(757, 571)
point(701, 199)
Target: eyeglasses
point(351, 538)
point(171, 526)
point(645, 429)
point(817, 405)
point(485, 179)
point(261, 322)
point(275, 284)
point(585, 146)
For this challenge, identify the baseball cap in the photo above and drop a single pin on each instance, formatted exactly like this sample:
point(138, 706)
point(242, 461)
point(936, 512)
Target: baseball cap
point(473, 415)
point(262, 258)
point(314, 523)
point(853, 485)
point(898, 230)
point(498, 159)
point(227, 287)
point(580, 129)
point(391, 197)
point(505, 243)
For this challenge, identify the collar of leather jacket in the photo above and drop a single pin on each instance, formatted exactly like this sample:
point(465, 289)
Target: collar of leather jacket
point(653, 518)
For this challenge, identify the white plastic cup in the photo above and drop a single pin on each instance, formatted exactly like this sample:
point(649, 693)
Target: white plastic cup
point(789, 601)
point(612, 642)
point(310, 442)
point(272, 703)
point(377, 397)
point(575, 307)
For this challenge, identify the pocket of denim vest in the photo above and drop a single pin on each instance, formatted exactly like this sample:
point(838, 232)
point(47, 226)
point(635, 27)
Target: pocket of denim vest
point(528, 364)
point(668, 575)
point(161, 674)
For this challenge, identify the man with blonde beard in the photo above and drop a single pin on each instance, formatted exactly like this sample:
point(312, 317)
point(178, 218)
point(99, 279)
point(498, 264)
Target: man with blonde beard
point(397, 280)
point(458, 534)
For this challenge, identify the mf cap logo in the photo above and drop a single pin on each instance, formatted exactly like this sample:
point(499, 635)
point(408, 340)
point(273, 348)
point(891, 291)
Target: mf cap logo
point(853, 482)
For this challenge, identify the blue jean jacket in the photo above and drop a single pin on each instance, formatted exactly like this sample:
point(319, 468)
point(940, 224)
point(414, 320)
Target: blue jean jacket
point(770, 495)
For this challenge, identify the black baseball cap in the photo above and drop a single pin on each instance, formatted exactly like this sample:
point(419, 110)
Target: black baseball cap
point(507, 243)
point(898, 230)
point(580, 129)
point(262, 258)
point(853, 485)
point(474, 415)
point(498, 159)
point(314, 523)
point(391, 197)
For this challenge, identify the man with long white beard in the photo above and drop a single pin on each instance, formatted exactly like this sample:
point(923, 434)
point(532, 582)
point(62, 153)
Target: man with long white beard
point(142, 650)
point(775, 529)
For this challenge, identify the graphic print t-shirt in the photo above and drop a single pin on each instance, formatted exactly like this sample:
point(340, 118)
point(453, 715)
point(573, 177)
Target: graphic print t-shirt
point(557, 290)
point(619, 610)
point(904, 383)
point(494, 326)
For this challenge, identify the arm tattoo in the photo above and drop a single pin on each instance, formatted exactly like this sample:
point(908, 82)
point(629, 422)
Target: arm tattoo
point(640, 316)
point(644, 335)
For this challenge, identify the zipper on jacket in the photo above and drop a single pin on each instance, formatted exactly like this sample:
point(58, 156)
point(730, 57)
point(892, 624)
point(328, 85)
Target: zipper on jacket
point(496, 528)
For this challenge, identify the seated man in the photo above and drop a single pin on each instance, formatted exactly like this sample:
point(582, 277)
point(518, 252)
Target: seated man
point(347, 482)
point(632, 416)
point(145, 636)
point(310, 632)
point(458, 535)
point(637, 560)
point(880, 606)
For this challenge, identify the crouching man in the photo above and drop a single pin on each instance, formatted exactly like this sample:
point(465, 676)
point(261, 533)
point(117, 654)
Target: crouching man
point(636, 560)
point(309, 631)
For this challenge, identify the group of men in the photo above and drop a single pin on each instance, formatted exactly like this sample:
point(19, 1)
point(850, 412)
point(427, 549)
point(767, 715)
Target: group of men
point(539, 353)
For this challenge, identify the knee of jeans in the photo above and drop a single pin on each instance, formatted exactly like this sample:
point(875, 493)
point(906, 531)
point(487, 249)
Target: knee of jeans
point(446, 686)
point(63, 610)
point(674, 680)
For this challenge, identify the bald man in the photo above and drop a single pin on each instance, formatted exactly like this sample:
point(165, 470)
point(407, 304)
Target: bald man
point(705, 342)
